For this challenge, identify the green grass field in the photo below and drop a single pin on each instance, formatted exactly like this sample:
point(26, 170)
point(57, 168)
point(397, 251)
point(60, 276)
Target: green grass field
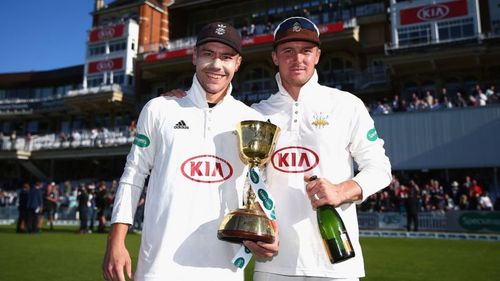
point(64, 255)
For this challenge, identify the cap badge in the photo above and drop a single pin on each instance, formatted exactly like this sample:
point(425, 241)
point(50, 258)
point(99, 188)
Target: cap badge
point(221, 29)
point(296, 27)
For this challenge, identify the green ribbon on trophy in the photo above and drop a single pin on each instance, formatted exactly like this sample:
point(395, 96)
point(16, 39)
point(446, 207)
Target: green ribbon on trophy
point(257, 140)
point(264, 197)
point(266, 201)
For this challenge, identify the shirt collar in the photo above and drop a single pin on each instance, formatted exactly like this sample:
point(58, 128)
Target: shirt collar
point(198, 96)
point(304, 91)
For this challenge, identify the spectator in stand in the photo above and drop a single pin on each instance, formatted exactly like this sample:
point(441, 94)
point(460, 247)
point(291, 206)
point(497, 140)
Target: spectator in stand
point(485, 203)
point(436, 105)
point(251, 30)
point(475, 188)
point(429, 98)
point(466, 186)
point(449, 204)
point(397, 105)
point(13, 139)
point(460, 100)
point(93, 137)
point(412, 207)
point(268, 29)
point(102, 202)
point(22, 220)
point(50, 203)
point(464, 202)
point(132, 129)
point(27, 141)
point(479, 97)
point(455, 193)
point(492, 94)
point(35, 205)
point(83, 208)
point(92, 207)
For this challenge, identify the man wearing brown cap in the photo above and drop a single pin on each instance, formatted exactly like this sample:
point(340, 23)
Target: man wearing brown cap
point(188, 148)
point(324, 130)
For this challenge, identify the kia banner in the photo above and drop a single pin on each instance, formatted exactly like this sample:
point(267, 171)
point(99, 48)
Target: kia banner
point(106, 33)
point(434, 12)
point(105, 65)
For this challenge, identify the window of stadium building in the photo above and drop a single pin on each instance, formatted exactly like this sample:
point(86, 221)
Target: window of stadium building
point(97, 49)
point(413, 35)
point(119, 78)
point(94, 81)
point(117, 46)
point(456, 29)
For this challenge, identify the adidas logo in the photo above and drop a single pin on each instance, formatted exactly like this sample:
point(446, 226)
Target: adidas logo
point(181, 125)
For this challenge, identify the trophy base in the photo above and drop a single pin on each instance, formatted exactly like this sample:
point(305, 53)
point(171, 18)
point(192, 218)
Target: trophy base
point(246, 224)
point(236, 236)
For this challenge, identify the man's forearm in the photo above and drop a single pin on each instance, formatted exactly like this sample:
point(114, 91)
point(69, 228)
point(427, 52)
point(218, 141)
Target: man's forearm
point(351, 191)
point(117, 234)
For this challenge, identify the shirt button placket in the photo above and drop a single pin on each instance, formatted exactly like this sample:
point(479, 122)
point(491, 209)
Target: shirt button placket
point(295, 116)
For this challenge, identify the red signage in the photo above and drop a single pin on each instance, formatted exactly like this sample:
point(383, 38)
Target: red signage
point(106, 33)
point(294, 159)
point(207, 169)
point(245, 42)
point(433, 12)
point(105, 65)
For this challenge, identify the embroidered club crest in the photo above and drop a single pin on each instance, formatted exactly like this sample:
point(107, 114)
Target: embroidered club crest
point(320, 120)
point(296, 27)
point(221, 29)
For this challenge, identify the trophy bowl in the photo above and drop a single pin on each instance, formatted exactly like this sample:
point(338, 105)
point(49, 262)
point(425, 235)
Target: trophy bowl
point(257, 140)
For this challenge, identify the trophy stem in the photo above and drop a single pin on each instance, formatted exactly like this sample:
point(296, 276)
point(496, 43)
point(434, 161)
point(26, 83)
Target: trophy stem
point(250, 202)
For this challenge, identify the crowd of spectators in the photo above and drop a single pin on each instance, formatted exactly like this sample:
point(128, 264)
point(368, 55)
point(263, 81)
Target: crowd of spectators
point(428, 100)
point(88, 201)
point(431, 196)
point(84, 138)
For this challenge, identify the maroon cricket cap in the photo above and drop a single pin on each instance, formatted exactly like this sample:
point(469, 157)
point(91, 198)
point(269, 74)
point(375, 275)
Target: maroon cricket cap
point(220, 32)
point(296, 29)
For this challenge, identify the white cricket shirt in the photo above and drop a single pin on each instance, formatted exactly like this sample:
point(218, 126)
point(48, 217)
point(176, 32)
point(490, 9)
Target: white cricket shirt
point(196, 178)
point(322, 133)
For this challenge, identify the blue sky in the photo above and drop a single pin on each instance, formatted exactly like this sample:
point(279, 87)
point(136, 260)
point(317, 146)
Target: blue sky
point(43, 34)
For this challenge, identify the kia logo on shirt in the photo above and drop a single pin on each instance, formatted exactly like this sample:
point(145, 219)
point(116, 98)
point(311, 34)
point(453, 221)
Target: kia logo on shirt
point(206, 169)
point(433, 12)
point(294, 159)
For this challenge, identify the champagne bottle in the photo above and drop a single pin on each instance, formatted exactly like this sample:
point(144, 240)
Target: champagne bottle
point(335, 238)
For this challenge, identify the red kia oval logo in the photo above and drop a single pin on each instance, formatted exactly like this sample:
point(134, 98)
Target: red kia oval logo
point(207, 169)
point(433, 12)
point(106, 33)
point(104, 65)
point(294, 159)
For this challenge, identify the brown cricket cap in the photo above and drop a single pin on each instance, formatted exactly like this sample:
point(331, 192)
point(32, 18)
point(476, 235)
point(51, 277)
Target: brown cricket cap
point(296, 29)
point(220, 32)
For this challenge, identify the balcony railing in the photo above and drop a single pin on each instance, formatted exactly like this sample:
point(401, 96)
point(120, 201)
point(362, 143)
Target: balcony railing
point(102, 88)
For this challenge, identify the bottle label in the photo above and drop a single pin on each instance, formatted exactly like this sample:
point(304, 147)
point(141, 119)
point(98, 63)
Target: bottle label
point(346, 242)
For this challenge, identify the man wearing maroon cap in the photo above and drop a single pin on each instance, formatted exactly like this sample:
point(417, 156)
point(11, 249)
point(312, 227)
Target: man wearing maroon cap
point(188, 148)
point(327, 129)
